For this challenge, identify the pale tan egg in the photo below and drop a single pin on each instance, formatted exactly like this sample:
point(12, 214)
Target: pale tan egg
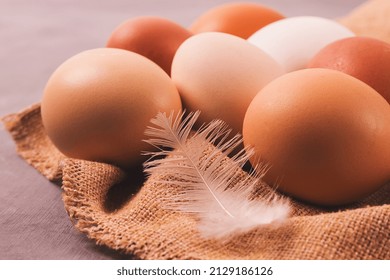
point(324, 134)
point(97, 104)
point(219, 74)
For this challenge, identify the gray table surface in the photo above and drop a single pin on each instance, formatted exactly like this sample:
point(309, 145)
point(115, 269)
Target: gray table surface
point(37, 36)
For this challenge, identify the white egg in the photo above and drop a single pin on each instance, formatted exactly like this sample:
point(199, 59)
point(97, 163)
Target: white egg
point(294, 41)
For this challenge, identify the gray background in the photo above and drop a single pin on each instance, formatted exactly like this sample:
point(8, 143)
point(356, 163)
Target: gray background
point(37, 36)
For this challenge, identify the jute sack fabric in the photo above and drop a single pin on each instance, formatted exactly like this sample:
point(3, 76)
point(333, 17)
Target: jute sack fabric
point(370, 19)
point(102, 203)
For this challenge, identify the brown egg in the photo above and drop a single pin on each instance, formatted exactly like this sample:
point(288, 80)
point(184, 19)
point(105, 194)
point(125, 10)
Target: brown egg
point(153, 37)
point(324, 134)
point(97, 104)
point(240, 18)
point(365, 58)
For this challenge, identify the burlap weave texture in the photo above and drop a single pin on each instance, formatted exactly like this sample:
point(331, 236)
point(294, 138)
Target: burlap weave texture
point(139, 225)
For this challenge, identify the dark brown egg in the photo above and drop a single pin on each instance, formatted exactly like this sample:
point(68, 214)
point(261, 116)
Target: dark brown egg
point(153, 37)
point(365, 58)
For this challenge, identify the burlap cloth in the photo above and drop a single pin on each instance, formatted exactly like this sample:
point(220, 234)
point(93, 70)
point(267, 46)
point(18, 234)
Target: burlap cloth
point(122, 212)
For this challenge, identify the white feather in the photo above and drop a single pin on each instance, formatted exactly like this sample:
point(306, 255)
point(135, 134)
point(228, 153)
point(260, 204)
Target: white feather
point(207, 179)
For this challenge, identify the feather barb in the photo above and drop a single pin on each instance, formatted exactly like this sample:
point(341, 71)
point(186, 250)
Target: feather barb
point(210, 184)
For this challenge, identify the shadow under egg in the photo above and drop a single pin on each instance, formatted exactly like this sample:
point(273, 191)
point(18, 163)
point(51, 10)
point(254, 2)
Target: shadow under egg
point(119, 194)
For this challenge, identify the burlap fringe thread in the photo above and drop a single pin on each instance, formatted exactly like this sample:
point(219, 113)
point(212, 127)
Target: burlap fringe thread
point(140, 226)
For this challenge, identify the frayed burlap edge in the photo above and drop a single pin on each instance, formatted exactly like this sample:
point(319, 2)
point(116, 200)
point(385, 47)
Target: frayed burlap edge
point(31, 142)
point(143, 228)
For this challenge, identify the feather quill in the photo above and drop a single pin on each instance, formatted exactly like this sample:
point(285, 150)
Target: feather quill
point(207, 179)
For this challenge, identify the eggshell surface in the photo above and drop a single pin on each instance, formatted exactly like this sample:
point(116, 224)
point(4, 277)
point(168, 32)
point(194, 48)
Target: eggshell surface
point(219, 74)
point(238, 18)
point(153, 37)
point(293, 41)
point(367, 59)
point(324, 134)
point(97, 104)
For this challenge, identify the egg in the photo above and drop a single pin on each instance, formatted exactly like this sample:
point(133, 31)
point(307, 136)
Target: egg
point(153, 37)
point(323, 134)
point(237, 18)
point(293, 41)
point(365, 58)
point(97, 104)
point(219, 74)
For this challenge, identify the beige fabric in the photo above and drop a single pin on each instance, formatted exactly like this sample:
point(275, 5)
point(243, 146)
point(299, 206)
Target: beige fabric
point(133, 221)
point(370, 19)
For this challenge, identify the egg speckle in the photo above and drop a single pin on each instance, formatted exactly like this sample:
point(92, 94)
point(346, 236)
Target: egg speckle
point(367, 59)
